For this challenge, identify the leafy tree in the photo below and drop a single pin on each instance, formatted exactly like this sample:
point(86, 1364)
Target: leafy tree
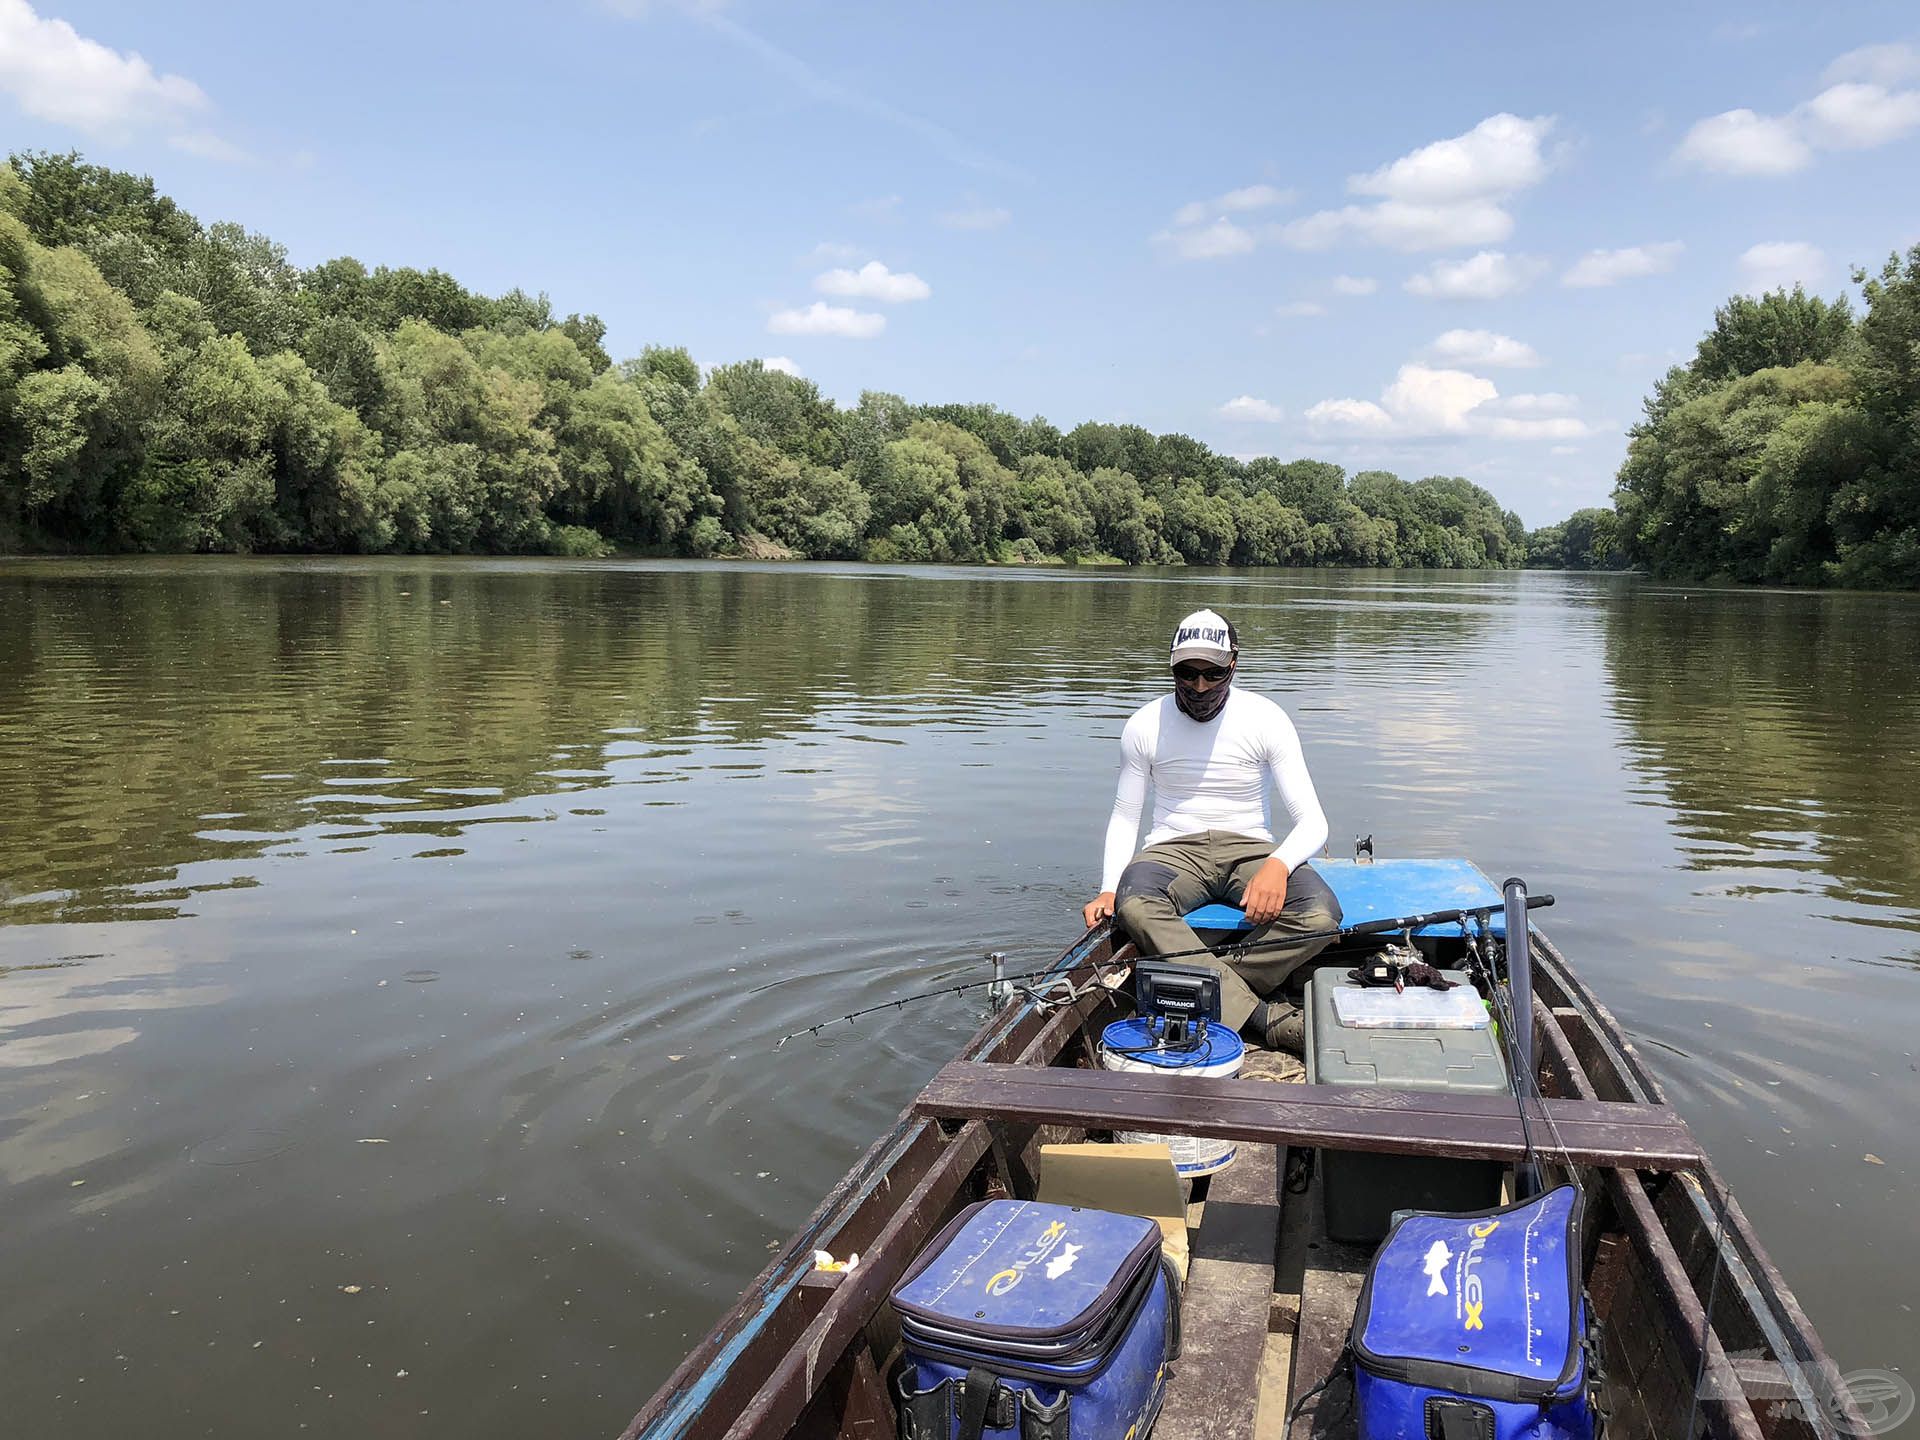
point(68, 202)
point(816, 510)
point(1198, 525)
point(171, 385)
point(1684, 493)
point(246, 285)
point(669, 363)
point(1779, 328)
point(1121, 522)
point(346, 357)
point(777, 409)
point(587, 333)
point(1591, 540)
point(1547, 547)
point(1047, 505)
point(78, 376)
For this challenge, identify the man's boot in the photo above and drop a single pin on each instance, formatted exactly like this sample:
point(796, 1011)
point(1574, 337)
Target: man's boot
point(1278, 1025)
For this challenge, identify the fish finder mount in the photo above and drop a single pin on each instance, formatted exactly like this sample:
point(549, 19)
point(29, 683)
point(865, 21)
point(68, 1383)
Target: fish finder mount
point(1176, 1003)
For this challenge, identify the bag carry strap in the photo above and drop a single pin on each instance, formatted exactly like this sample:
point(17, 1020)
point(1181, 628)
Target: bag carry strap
point(975, 1399)
point(1172, 1352)
point(1451, 1419)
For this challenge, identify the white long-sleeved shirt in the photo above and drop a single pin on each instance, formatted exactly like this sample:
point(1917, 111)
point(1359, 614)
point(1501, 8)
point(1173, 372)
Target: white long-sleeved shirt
point(1212, 777)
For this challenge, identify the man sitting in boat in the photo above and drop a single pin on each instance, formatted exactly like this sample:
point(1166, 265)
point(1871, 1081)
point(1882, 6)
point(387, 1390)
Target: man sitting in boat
point(1209, 750)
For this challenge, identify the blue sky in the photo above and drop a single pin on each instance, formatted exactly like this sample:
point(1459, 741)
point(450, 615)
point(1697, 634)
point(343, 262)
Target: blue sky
point(1364, 233)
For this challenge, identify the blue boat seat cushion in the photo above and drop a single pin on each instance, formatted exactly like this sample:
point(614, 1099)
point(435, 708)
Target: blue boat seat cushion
point(1385, 890)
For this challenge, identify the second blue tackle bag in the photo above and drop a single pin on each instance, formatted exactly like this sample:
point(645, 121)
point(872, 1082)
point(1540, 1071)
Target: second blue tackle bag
point(1028, 1321)
point(1473, 1327)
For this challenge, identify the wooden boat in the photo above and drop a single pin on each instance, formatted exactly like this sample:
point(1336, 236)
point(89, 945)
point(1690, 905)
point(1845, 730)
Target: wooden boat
point(1701, 1335)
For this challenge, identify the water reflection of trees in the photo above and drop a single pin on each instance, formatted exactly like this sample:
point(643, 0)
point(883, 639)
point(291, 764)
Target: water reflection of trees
point(1781, 728)
point(156, 715)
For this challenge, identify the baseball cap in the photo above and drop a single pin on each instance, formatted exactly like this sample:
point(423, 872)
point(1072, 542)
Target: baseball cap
point(1204, 636)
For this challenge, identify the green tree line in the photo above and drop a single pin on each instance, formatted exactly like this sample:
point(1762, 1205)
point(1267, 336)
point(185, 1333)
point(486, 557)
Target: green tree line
point(1788, 449)
point(167, 385)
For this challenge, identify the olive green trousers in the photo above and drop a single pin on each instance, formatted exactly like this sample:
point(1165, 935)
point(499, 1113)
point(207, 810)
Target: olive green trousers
point(1163, 882)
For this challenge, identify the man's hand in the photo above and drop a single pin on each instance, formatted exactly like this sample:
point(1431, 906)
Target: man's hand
point(1098, 908)
point(1266, 894)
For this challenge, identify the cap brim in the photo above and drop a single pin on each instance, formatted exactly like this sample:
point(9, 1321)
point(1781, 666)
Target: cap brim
point(1211, 654)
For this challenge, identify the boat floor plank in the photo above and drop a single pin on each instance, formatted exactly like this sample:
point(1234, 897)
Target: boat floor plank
point(1213, 1394)
point(1329, 1291)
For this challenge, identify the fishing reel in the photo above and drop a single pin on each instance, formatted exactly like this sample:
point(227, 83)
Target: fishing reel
point(1399, 964)
point(1176, 1003)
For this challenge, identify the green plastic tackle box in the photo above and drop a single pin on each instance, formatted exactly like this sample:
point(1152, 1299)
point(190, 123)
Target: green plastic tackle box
point(1400, 1051)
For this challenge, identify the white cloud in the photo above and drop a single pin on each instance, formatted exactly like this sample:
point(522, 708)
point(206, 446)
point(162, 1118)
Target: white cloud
point(880, 207)
point(1401, 226)
point(1740, 142)
point(821, 318)
point(1497, 157)
point(981, 217)
point(1247, 197)
point(1778, 264)
point(1531, 407)
point(1255, 197)
point(55, 73)
point(873, 281)
point(1299, 309)
point(1858, 116)
point(1557, 428)
point(1425, 402)
point(783, 365)
point(1246, 407)
point(1207, 242)
point(1859, 109)
point(1610, 267)
point(1877, 64)
point(1485, 349)
point(1354, 285)
point(1490, 275)
point(830, 250)
point(1362, 416)
point(1444, 195)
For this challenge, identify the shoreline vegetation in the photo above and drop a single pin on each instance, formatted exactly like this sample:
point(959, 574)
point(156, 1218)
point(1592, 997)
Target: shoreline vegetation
point(171, 387)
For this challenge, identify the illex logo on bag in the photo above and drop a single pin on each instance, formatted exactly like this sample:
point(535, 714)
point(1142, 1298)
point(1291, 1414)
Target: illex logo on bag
point(1471, 1296)
point(1003, 1281)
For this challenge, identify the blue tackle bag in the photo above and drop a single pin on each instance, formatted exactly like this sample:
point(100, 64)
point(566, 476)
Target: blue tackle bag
point(1473, 1327)
point(1024, 1321)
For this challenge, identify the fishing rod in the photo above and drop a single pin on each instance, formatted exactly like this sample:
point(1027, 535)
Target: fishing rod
point(1345, 932)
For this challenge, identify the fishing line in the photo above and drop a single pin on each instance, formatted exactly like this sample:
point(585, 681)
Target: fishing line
point(1365, 927)
point(1502, 1000)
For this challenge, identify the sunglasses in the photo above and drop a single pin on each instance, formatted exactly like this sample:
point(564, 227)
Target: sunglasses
point(1192, 674)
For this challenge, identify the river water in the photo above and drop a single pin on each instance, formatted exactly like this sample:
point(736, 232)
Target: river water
point(391, 952)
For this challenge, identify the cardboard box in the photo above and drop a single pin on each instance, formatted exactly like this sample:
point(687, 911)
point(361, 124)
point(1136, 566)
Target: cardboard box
point(1126, 1179)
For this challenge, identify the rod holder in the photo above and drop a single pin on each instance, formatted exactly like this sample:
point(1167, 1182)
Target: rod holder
point(1526, 1175)
point(1000, 991)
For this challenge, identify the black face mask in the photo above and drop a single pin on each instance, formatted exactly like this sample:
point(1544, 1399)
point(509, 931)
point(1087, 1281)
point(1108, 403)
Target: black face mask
point(1196, 706)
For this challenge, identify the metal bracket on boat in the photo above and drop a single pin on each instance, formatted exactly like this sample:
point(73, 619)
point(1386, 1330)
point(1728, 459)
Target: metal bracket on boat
point(999, 989)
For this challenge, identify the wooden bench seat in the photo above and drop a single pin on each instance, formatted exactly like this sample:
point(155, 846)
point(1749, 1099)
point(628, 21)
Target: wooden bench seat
point(1330, 1117)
